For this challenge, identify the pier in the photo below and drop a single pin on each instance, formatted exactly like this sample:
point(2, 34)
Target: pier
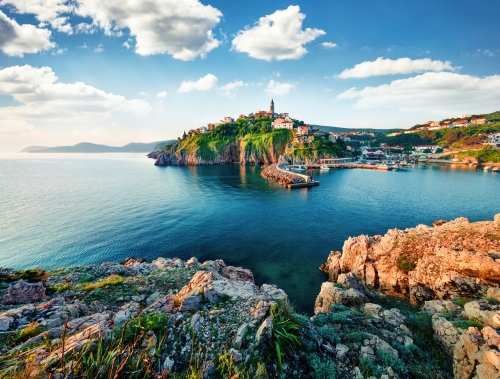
point(289, 179)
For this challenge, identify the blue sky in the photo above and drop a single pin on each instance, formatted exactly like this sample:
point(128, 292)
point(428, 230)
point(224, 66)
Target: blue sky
point(119, 71)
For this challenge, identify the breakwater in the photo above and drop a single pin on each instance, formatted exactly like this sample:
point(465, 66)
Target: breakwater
point(285, 178)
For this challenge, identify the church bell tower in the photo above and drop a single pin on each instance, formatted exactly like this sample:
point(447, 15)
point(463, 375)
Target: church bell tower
point(271, 110)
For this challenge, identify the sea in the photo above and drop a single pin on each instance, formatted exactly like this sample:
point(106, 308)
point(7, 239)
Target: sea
point(73, 209)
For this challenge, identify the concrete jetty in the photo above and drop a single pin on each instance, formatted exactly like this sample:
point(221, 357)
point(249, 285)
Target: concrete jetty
point(289, 179)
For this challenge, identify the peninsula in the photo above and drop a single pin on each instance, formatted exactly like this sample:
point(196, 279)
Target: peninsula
point(262, 137)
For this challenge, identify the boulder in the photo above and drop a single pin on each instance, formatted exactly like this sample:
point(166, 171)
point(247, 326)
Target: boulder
point(330, 295)
point(22, 292)
point(440, 306)
point(265, 331)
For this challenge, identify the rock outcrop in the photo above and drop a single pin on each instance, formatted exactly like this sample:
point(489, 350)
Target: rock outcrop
point(452, 259)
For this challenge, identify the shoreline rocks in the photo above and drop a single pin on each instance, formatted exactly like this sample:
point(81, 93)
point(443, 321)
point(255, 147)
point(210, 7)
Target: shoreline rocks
point(452, 259)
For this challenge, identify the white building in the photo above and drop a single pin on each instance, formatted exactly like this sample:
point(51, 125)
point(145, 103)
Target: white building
point(228, 120)
point(494, 140)
point(280, 123)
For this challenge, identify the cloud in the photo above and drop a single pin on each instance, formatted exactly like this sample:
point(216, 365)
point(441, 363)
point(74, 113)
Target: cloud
point(277, 88)
point(58, 51)
point(84, 46)
point(99, 48)
point(443, 92)
point(46, 11)
point(230, 88)
point(329, 45)
point(143, 93)
point(43, 98)
point(277, 36)
point(181, 28)
point(161, 94)
point(17, 40)
point(383, 66)
point(86, 28)
point(203, 84)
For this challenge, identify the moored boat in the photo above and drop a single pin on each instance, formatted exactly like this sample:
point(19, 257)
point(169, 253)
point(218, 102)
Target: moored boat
point(487, 168)
point(496, 169)
point(324, 168)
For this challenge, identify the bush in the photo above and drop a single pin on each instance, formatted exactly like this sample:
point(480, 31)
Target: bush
point(286, 332)
point(322, 368)
point(330, 334)
point(466, 324)
point(368, 368)
point(389, 360)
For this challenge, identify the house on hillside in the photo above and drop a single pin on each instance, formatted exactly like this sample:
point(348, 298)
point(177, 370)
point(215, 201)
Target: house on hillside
point(372, 153)
point(210, 127)
point(280, 123)
point(227, 120)
point(303, 130)
point(394, 134)
point(421, 149)
point(493, 140)
point(460, 123)
point(479, 121)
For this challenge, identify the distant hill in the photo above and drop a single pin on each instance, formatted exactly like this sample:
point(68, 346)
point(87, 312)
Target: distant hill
point(336, 129)
point(87, 147)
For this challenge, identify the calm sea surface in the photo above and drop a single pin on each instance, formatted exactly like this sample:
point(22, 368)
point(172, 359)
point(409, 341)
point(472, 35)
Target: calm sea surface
point(72, 209)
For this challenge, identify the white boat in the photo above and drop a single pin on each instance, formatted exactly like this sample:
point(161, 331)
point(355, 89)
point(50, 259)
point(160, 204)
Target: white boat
point(298, 168)
point(496, 169)
point(324, 168)
point(487, 168)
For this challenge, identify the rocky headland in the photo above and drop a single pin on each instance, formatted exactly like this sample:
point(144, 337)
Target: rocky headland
point(377, 316)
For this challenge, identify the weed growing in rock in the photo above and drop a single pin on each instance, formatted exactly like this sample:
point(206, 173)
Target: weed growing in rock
point(112, 280)
point(286, 332)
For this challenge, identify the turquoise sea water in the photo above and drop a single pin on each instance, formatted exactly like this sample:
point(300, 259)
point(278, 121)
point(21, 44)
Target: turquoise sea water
point(72, 209)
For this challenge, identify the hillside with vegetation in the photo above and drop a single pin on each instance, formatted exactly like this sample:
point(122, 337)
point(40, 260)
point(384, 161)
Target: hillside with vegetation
point(247, 143)
point(470, 138)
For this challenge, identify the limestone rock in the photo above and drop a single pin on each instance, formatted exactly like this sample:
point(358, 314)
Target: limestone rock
point(440, 306)
point(265, 331)
point(22, 292)
point(426, 262)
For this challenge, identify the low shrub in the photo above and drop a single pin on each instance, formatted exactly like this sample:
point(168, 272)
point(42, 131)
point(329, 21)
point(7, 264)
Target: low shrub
point(329, 333)
point(112, 280)
point(322, 368)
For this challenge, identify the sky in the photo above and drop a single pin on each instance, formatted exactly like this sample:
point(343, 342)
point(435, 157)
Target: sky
point(121, 71)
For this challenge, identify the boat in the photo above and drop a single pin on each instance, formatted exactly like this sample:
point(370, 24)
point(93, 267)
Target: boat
point(487, 168)
point(496, 169)
point(471, 164)
point(298, 168)
point(324, 168)
point(383, 167)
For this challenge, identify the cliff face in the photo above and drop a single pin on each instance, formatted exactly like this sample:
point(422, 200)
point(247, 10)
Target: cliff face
point(450, 260)
point(249, 150)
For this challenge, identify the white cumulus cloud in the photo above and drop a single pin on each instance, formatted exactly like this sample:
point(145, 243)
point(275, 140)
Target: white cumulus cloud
point(99, 48)
point(230, 88)
point(181, 28)
point(46, 11)
point(329, 45)
point(277, 36)
point(43, 98)
point(17, 40)
point(203, 84)
point(382, 66)
point(161, 94)
point(442, 92)
point(278, 88)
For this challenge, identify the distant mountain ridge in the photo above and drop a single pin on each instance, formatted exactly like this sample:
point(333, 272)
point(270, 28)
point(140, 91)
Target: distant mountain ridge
point(87, 147)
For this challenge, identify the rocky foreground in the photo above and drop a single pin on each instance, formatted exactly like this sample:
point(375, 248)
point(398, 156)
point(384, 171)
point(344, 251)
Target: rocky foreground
point(185, 319)
point(451, 269)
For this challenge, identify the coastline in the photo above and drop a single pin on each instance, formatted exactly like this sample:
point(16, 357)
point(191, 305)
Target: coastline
point(218, 311)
